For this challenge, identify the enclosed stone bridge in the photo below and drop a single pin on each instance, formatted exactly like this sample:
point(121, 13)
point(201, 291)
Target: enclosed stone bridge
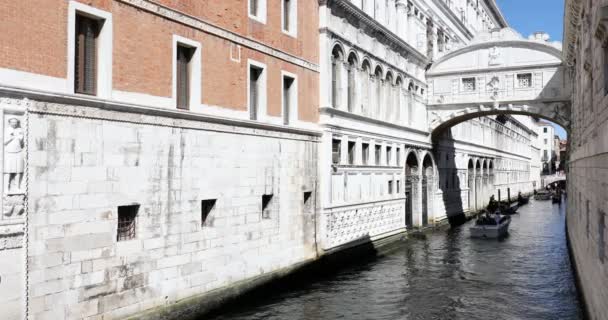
point(499, 73)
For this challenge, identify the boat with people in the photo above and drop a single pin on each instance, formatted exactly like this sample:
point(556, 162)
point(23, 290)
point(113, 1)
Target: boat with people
point(490, 226)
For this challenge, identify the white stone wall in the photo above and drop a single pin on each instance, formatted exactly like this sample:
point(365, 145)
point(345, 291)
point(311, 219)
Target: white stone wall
point(85, 162)
point(587, 218)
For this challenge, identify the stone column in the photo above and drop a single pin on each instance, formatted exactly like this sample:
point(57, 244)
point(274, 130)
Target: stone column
point(416, 201)
point(401, 12)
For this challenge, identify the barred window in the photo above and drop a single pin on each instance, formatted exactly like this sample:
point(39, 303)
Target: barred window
point(524, 80)
point(126, 229)
point(468, 84)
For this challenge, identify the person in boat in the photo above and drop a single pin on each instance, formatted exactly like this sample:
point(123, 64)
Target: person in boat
point(497, 217)
point(519, 197)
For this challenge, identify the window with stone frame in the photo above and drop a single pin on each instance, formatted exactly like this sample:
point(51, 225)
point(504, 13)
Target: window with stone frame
point(377, 150)
point(336, 146)
point(365, 153)
point(85, 54)
point(351, 152)
point(524, 80)
point(468, 84)
point(390, 187)
point(389, 155)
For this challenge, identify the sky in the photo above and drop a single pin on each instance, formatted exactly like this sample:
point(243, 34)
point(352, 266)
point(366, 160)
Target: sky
point(529, 16)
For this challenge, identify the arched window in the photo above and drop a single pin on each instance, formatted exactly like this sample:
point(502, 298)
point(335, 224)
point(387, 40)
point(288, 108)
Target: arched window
point(398, 99)
point(378, 88)
point(336, 59)
point(388, 89)
point(352, 69)
point(365, 87)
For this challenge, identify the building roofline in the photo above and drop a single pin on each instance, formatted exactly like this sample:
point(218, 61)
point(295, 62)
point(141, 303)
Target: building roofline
point(497, 13)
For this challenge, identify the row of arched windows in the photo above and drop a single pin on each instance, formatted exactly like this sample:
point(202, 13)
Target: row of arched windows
point(376, 94)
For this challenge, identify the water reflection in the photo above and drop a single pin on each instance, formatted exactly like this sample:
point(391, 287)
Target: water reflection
point(446, 276)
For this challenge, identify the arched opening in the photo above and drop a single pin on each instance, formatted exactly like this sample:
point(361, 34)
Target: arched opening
point(478, 179)
point(336, 61)
point(398, 99)
point(351, 71)
point(491, 183)
point(365, 87)
point(378, 90)
point(427, 187)
point(388, 93)
point(411, 183)
point(471, 184)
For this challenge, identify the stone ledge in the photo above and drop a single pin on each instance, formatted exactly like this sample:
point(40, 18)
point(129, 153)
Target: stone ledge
point(95, 108)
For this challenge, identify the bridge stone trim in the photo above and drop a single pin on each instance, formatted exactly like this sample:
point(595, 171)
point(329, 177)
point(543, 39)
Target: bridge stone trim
point(505, 74)
point(441, 118)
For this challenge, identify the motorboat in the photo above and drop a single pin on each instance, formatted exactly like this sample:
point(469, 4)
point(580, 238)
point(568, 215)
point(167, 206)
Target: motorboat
point(490, 226)
point(542, 195)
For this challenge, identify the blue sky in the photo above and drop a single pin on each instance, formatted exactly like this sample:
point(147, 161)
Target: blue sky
point(529, 16)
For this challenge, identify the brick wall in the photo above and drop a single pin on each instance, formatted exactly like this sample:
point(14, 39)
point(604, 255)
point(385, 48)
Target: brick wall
point(142, 49)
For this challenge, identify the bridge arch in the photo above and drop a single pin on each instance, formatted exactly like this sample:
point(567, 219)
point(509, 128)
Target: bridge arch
point(500, 72)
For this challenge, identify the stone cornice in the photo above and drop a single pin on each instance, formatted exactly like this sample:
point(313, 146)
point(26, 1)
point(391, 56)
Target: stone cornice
point(380, 31)
point(454, 18)
point(497, 13)
point(197, 23)
point(94, 108)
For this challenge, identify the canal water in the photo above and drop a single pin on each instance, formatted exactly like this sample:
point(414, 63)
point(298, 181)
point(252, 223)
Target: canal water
point(448, 275)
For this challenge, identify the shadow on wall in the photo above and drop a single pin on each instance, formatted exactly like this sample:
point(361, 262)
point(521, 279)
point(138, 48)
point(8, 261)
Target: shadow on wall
point(449, 181)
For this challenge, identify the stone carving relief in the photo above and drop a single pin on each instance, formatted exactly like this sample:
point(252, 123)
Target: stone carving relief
point(13, 165)
point(494, 56)
point(494, 87)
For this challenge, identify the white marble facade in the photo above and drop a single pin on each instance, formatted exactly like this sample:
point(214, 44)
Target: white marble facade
point(377, 154)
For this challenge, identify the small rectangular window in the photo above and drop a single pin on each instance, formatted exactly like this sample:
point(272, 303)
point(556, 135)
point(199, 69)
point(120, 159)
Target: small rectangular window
point(378, 150)
point(183, 57)
point(85, 55)
point(398, 186)
point(336, 146)
point(468, 84)
point(255, 75)
point(398, 156)
point(545, 129)
point(390, 187)
point(389, 154)
point(287, 98)
point(365, 153)
point(308, 204)
point(351, 152)
point(126, 228)
point(207, 207)
point(524, 80)
point(266, 206)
